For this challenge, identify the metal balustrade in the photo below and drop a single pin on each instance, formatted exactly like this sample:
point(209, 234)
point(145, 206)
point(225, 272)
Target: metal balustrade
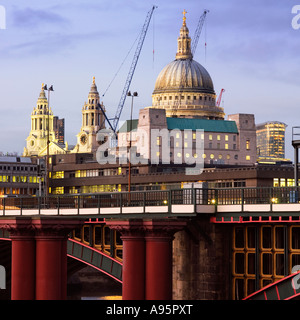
point(56, 204)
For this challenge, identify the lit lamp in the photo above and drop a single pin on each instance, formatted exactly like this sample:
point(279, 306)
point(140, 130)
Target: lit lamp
point(135, 94)
point(48, 137)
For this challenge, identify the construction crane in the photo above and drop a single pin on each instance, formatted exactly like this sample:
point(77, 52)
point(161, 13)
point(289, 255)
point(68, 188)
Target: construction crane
point(220, 97)
point(198, 32)
point(116, 119)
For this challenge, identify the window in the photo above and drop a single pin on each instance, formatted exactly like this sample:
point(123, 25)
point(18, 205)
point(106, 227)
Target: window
point(226, 137)
point(226, 145)
point(210, 145)
point(247, 157)
point(58, 175)
point(212, 156)
point(203, 155)
point(248, 144)
point(218, 137)
point(210, 137)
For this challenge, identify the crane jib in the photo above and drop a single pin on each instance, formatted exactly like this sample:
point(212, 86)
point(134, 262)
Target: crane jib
point(132, 69)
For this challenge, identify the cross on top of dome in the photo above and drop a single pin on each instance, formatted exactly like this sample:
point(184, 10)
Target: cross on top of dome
point(184, 17)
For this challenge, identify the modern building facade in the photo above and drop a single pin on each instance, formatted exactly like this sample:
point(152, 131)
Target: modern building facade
point(271, 141)
point(19, 176)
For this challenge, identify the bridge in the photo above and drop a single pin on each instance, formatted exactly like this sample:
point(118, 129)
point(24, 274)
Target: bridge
point(146, 220)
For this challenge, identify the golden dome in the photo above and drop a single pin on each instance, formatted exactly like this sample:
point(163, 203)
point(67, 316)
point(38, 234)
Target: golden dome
point(184, 74)
point(184, 87)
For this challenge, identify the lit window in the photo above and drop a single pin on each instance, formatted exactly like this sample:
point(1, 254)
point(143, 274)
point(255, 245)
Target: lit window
point(226, 137)
point(178, 154)
point(248, 144)
point(218, 137)
point(212, 156)
point(228, 157)
point(203, 155)
point(177, 135)
point(226, 145)
point(195, 155)
point(220, 156)
point(185, 144)
point(247, 157)
point(210, 137)
point(194, 136)
point(187, 155)
point(157, 153)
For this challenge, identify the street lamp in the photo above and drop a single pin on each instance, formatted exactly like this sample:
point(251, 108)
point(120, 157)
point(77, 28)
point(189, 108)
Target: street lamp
point(135, 94)
point(48, 138)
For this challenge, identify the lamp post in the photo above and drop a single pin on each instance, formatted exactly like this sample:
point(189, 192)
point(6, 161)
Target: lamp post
point(48, 139)
point(135, 94)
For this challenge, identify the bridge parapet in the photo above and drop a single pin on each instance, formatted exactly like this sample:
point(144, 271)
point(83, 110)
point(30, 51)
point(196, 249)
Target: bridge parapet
point(176, 202)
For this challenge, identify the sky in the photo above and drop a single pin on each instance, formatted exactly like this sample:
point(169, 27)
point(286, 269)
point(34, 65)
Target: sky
point(252, 51)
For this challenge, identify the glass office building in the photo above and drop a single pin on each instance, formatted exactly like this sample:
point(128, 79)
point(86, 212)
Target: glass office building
point(270, 139)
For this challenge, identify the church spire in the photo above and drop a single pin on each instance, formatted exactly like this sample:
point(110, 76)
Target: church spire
point(184, 41)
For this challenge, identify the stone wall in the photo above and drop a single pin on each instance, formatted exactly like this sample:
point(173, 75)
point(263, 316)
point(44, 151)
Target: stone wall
point(201, 262)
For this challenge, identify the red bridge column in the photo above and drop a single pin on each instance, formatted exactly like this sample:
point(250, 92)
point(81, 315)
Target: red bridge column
point(51, 257)
point(23, 258)
point(133, 271)
point(147, 257)
point(159, 237)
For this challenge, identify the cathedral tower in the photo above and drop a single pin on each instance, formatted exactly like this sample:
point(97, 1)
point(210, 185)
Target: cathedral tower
point(41, 126)
point(92, 121)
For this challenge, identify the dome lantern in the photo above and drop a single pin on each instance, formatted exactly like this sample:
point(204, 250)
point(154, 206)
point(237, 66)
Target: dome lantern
point(184, 41)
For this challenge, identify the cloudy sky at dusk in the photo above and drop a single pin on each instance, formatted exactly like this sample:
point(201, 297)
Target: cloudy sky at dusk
point(252, 52)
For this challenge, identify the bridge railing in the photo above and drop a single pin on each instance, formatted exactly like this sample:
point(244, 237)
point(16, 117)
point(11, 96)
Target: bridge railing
point(185, 196)
point(257, 195)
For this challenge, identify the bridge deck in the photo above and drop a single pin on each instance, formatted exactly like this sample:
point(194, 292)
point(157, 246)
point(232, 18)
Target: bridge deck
point(224, 205)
